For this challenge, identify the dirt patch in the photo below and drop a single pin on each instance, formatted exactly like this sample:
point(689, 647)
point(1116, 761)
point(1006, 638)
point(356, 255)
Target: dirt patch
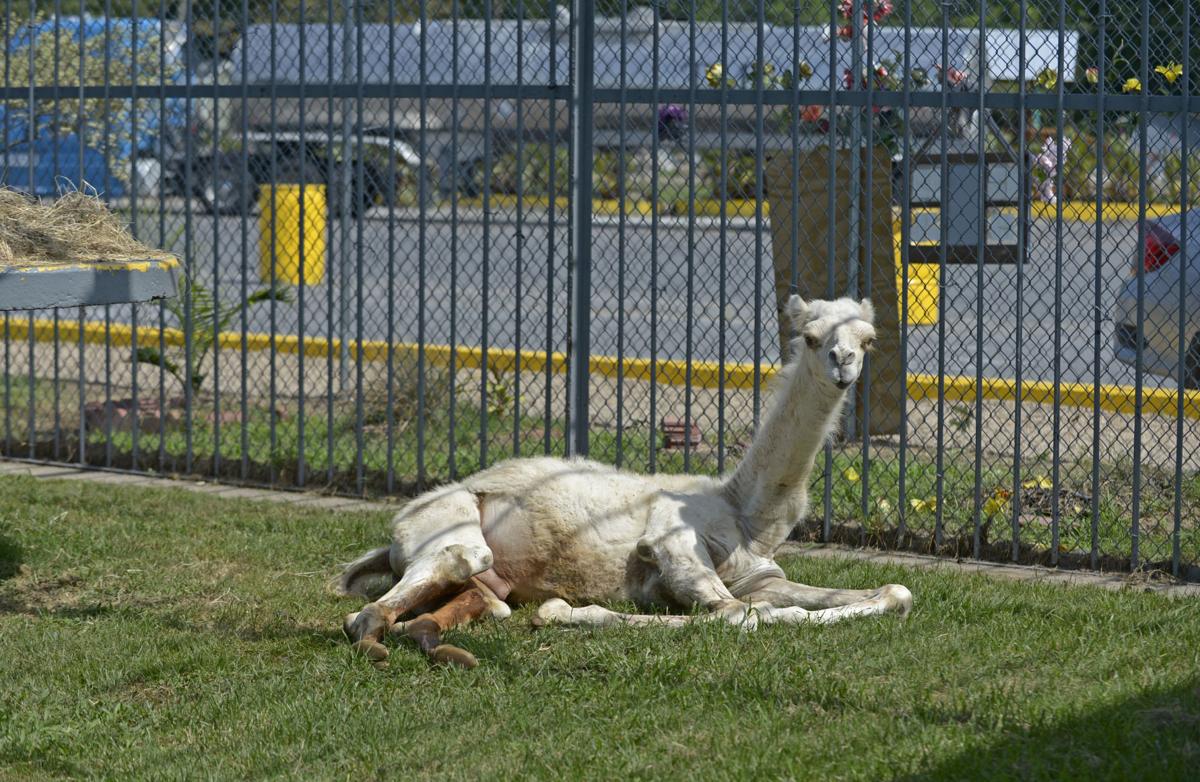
point(25, 594)
point(146, 692)
point(76, 228)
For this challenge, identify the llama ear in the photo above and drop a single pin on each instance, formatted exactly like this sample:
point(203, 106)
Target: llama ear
point(796, 310)
point(868, 311)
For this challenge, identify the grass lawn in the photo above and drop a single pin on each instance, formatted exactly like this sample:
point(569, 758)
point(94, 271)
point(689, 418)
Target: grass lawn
point(163, 634)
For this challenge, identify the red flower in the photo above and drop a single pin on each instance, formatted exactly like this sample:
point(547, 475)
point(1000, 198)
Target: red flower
point(954, 76)
point(883, 9)
point(845, 32)
point(812, 113)
point(847, 79)
point(881, 71)
point(845, 8)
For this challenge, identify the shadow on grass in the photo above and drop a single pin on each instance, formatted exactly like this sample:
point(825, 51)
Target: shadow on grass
point(1155, 735)
point(11, 555)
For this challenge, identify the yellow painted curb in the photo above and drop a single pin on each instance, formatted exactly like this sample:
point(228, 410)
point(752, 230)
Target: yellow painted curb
point(704, 374)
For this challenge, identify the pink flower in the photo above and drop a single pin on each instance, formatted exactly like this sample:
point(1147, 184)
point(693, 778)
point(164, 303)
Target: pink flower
point(812, 113)
point(845, 32)
point(881, 71)
point(883, 9)
point(847, 79)
point(954, 76)
point(845, 8)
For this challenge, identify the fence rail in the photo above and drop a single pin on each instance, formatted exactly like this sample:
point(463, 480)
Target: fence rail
point(503, 247)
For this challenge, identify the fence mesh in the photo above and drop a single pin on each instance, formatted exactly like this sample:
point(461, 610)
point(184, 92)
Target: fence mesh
point(372, 201)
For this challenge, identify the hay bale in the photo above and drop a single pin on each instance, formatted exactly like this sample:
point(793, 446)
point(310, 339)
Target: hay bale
point(77, 228)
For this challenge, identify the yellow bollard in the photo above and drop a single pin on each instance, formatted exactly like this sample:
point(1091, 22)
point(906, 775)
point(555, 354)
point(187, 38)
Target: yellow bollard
point(291, 245)
point(924, 292)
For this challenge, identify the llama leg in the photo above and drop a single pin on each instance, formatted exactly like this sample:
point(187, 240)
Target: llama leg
point(425, 580)
point(890, 599)
point(437, 544)
point(780, 592)
point(686, 571)
point(426, 630)
point(555, 611)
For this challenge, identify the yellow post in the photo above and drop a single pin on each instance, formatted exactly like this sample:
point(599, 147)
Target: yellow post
point(924, 283)
point(293, 249)
point(924, 292)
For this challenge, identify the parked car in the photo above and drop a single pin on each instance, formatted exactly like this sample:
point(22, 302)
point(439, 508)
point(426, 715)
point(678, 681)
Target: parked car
point(1165, 258)
point(157, 138)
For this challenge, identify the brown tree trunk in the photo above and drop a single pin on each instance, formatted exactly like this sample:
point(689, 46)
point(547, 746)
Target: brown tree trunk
point(810, 240)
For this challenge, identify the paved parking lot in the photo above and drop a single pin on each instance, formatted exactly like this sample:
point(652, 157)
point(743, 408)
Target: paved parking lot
point(490, 277)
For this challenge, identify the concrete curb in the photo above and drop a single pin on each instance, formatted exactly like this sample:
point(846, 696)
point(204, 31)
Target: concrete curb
point(1029, 573)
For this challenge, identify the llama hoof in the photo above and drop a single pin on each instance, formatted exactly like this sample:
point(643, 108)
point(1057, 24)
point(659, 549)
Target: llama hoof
point(446, 654)
point(551, 612)
point(738, 614)
point(896, 599)
point(370, 624)
point(374, 651)
point(348, 624)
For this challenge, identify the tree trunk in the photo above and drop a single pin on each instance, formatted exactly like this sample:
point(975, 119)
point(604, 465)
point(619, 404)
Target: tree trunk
point(810, 242)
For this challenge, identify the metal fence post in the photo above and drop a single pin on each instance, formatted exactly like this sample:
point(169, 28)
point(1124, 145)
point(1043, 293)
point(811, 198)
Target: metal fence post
point(579, 349)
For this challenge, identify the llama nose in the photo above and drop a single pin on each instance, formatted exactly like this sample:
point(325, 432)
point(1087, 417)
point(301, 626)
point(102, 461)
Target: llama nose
point(841, 357)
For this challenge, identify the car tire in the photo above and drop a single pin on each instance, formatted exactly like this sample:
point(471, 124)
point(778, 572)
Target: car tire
point(371, 188)
point(223, 186)
point(1191, 364)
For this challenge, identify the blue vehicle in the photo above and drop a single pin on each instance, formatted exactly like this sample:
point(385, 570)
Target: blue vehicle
point(145, 147)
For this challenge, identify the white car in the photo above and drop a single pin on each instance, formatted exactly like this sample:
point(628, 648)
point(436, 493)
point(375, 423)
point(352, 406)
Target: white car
point(1165, 257)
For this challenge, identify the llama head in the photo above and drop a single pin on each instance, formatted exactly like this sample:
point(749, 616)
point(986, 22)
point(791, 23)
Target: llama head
point(834, 337)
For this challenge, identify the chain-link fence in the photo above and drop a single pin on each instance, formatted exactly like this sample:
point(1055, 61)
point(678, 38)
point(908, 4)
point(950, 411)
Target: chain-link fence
point(421, 237)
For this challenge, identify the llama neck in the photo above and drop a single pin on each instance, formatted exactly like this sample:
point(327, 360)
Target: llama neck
point(770, 485)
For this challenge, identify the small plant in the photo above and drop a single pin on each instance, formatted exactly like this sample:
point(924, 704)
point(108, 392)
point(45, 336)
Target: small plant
point(500, 395)
point(208, 319)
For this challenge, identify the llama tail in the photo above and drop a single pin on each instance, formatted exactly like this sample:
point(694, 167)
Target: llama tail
point(362, 576)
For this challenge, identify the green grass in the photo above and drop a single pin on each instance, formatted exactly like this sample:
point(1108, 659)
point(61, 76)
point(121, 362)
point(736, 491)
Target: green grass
point(158, 634)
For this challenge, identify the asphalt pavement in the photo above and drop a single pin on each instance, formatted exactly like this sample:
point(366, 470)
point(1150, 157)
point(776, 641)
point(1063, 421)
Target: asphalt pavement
point(660, 290)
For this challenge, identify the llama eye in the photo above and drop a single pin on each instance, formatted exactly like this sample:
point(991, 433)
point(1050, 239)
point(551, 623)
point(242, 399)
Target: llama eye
point(868, 345)
point(812, 341)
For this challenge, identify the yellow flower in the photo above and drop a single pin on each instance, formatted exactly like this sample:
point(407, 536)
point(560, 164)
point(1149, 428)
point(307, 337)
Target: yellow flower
point(1132, 85)
point(883, 505)
point(851, 474)
point(1040, 482)
point(714, 74)
point(924, 505)
point(1047, 79)
point(997, 504)
point(1171, 72)
point(805, 70)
